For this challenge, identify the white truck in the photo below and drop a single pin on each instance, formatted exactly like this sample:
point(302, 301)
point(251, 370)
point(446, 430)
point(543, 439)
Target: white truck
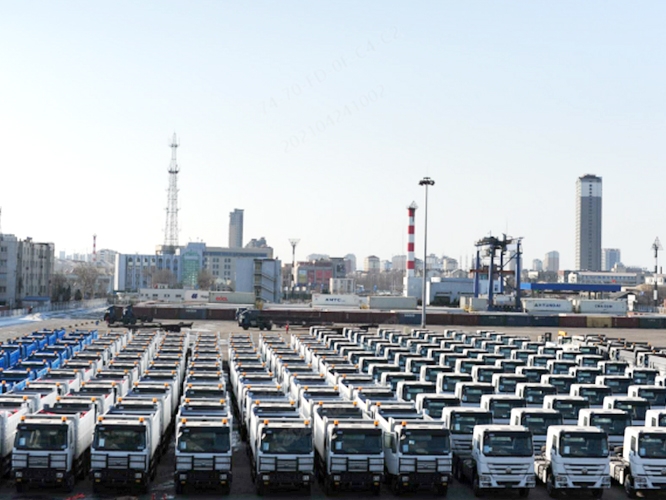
point(502, 458)
point(203, 453)
point(461, 421)
point(612, 421)
point(576, 458)
point(9, 420)
point(640, 465)
point(125, 450)
point(53, 448)
point(350, 455)
point(282, 454)
point(418, 455)
point(537, 420)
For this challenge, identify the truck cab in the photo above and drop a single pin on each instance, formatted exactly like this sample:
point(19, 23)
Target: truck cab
point(446, 382)
point(461, 422)
point(505, 383)
point(534, 394)
point(470, 393)
point(584, 374)
point(576, 458)
point(612, 421)
point(502, 458)
point(655, 418)
point(484, 373)
point(640, 464)
point(562, 383)
point(532, 373)
point(642, 376)
point(635, 407)
point(560, 367)
point(432, 405)
point(568, 406)
point(619, 384)
point(501, 406)
point(654, 394)
point(595, 394)
point(418, 455)
point(537, 420)
point(613, 367)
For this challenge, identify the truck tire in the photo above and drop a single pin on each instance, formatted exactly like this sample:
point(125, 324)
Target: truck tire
point(245, 327)
point(179, 487)
point(457, 471)
point(476, 488)
point(329, 488)
point(269, 327)
point(396, 486)
point(441, 490)
point(629, 486)
point(20, 488)
point(376, 489)
point(550, 486)
point(524, 492)
point(260, 488)
point(69, 483)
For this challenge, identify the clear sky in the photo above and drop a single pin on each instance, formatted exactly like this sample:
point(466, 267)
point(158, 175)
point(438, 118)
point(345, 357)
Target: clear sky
point(318, 118)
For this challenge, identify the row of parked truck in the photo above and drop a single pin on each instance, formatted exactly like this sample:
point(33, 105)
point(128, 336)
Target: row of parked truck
point(107, 406)
point(355, 408)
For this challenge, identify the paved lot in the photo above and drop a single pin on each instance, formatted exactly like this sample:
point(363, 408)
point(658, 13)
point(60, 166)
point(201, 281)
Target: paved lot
point(242, 485)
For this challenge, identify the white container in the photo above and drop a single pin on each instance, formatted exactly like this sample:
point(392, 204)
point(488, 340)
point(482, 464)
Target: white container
point(548, 306)
point(469, 303)
point(328, 300)
point(231, 297)
point(391, 302)
point(585, 306)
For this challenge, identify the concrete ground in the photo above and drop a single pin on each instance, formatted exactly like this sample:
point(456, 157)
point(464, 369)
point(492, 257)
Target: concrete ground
point(242, 486)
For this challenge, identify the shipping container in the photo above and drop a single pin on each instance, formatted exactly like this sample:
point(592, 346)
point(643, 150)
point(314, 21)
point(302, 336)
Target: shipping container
point(391, 302)
point(541, 306)
point(231, 297)
point(328, 300)
point(573, 321)
point(492, 320)
point(585, 306)
point(599, 321)
point(469, 303)
point(626, 322)
point(518, 320)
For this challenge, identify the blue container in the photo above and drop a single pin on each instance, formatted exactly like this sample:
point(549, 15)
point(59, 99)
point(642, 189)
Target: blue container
point(409, 319)
point(518, 320)
point(549, 321)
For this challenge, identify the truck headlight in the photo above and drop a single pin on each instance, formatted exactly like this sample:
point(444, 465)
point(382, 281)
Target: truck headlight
point(306, 478)
point(19, 473)
point(561, 480)
point(336, 478)
point(605, 482)
point(137, 475)
point(183, 477)
point(59, 475)
point(376, 478)
point(98, 474)
point(265, 477)
point(223, 477)
point(444, 479)
point(405, 479)
point(484, 479)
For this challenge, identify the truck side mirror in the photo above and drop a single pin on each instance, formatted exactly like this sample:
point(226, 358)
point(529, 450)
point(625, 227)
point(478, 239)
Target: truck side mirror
point(543, 448)
point(618, 450)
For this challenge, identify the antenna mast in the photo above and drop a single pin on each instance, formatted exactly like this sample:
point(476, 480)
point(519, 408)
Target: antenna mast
point(171, 229)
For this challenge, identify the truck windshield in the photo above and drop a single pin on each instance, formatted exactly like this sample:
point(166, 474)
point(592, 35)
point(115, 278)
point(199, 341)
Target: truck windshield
point(652, 445)
point(615, 368)
point(36, 437)
point(425, 442)
point(539, 423)
point(586, 445)
point(502, 409)
point(536, 394)
point(613, 424)
point(434, 407)
point(587, 376)
point(204, 440)
point(562, 384)
point(644, 378)
point(595, 396)
point(116, 438)
point(570, 409)
point(449, 382)
point(507, 444)
point(508, 384)
point(362, 442)
point(654, 396)
point(463, 423)
point(282, 441)
point(472, 393)
point(635, 409)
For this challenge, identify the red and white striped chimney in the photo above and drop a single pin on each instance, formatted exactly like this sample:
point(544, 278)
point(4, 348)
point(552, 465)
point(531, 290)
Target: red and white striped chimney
point(410, 240)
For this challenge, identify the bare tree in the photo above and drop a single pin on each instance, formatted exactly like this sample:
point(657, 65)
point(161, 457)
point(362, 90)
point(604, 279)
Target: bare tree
point(58, 287)
point(86, 279)
point(163, 277)
point(205, 280)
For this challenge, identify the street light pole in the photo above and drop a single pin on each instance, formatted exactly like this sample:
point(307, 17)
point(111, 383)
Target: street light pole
point(426, 181)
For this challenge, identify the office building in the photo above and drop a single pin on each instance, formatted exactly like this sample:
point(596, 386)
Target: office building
point(588, 223)
point(537, 265)
point(372, 264)
point(610, 257)
point(236, 228)
point(552, 262)
point(26, 268)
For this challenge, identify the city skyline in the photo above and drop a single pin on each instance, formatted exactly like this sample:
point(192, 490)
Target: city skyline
point(322, 133)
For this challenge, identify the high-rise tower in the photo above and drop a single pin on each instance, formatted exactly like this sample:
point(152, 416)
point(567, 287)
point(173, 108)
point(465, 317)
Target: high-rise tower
point(588, 223)
point(171, 229)
point(236, 228)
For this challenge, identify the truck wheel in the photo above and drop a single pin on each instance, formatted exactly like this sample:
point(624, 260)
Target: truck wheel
point(376, 490)
point(441, 491)
point(476, 488)
point(396, 486)
point(269, 327)
point(70, 481)
point(550, 486)
point(20, 488)
point(179, 487)
point(329, 488)
point(457, 471)
point(260, 488)
point(629, 487)
point(245, 327)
